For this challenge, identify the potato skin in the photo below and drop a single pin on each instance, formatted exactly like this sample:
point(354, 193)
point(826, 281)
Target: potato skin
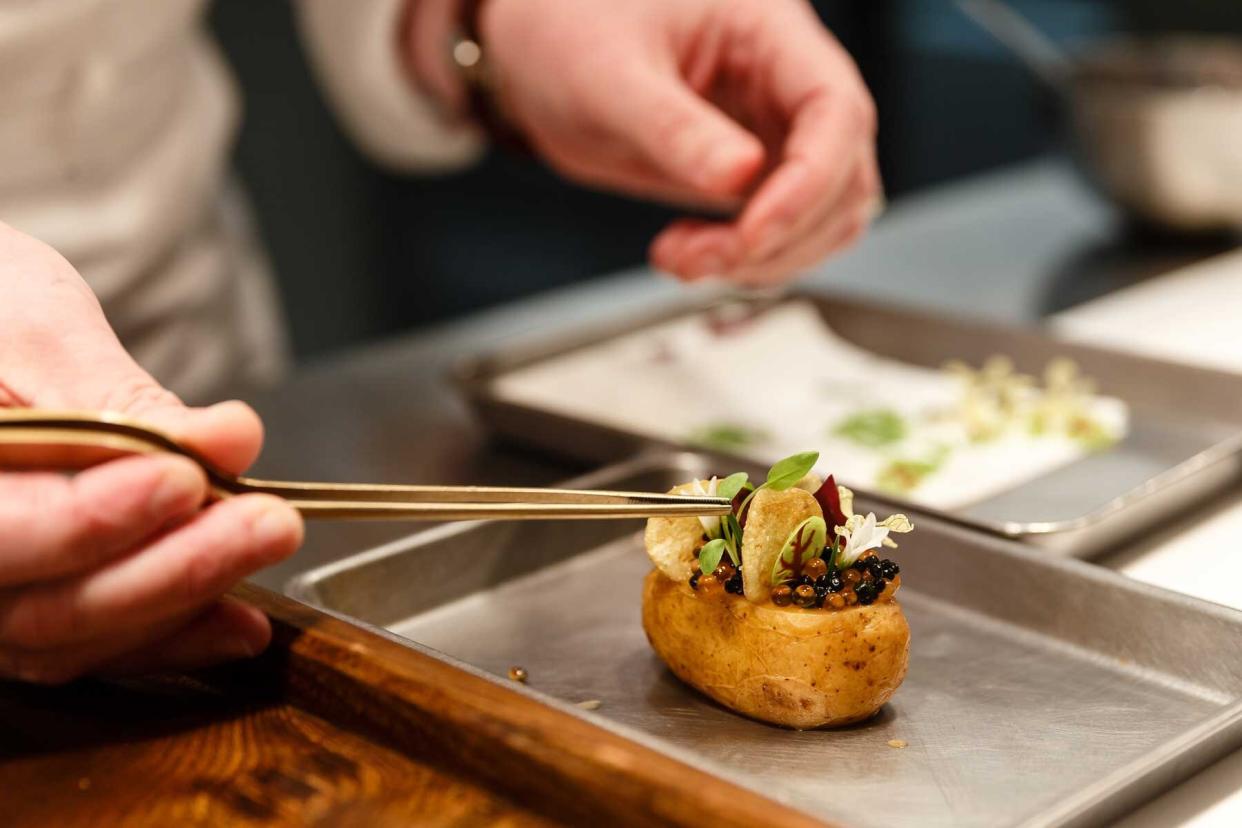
point(796, 668)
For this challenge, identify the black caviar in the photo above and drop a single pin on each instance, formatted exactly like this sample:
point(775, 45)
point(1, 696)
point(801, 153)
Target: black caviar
point(831, 582)
point(819, 584)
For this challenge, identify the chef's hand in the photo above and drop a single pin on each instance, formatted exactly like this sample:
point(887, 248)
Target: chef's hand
point(119, 568)
point(749, 106)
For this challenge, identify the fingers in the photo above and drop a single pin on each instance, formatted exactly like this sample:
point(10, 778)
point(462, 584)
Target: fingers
point(832, 126)
point(59, 352)
point(52, 526)
point(635, 177)
point(230, 434)
point(831, 236)
point(808, 94)
point(693, 249)
point(834, 236)
point(179, 571)
point(117, 556)
point(820, 155)
point(223, 631)
point(681, 137)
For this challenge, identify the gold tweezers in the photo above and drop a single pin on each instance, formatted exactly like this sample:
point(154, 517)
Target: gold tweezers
point(349, 501)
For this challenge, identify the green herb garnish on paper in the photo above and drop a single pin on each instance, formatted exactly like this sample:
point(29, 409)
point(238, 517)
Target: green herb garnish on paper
point(730, 437)
point(874, 429)
point(905, 475)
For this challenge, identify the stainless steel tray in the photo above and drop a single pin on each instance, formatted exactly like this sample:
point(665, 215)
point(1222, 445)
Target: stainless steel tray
point(1185, 435)
point(1041, 691)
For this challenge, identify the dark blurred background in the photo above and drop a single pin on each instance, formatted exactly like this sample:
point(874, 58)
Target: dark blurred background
point(361, 253)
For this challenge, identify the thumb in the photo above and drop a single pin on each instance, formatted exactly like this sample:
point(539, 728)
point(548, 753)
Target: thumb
point(229, 434)
point(681, 135)
point(58, 351)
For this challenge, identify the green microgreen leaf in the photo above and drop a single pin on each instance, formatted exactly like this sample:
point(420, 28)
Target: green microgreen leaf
point(731, 485)
point(789, 471)
point(710, 555)
point(805, 542)
point(832, 553)
point(784, 475)
point(731, 533)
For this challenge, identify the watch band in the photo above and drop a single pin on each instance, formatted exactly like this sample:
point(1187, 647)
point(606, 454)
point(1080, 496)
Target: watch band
point(470, 57)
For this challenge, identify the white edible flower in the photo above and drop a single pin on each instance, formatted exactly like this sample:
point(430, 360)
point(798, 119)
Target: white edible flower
point(711, 525)
point(860, 534)
point(896, 523)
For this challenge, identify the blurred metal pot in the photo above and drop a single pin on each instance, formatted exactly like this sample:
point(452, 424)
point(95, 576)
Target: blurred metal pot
point(1156, 122)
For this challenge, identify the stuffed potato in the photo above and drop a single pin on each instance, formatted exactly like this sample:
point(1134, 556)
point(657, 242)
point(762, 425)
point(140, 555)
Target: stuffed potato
point(768, 613)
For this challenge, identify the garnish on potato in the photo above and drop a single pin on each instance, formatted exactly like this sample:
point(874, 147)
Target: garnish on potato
point(782, 610)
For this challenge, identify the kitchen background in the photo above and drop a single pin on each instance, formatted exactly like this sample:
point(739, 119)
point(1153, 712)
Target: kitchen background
point(361, 253)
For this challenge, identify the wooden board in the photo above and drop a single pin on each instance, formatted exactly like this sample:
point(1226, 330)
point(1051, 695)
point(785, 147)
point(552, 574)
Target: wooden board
point(336, 726)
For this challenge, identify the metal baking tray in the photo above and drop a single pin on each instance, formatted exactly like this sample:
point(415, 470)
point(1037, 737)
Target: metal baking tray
point(1185, 437)
point(1041, 691)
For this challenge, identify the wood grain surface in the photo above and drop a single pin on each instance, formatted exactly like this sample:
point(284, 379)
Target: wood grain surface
point(336, 725)
point(178, 752)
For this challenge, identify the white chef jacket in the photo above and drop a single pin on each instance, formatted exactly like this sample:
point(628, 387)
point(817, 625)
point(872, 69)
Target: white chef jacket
point(116, 123)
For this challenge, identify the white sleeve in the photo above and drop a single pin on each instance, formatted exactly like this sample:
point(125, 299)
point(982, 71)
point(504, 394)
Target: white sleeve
point(353, 48)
